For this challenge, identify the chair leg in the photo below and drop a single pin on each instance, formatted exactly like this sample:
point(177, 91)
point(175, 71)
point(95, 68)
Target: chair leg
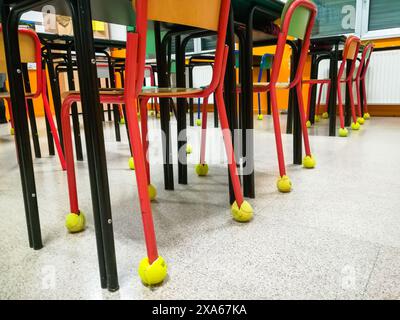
point(144, 127)
point(309, 161)
point(54, 132)
point(284, 184)
point(355, 125)
point(366, 113)
point(203, 132)
point(241, 210)
point(317, 110)
point(342, 131)
point(75, 220)
point(360, 118)
point(11, 115)
point(202, 167)
point(141, 178)
point(310, 87)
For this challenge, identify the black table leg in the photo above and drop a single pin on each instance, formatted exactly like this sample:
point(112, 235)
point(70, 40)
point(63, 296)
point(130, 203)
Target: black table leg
point(268, 93)
point(216, 120)
point(55, 91)
point(74, 108)
point(31, 111)
point(297, 130)
point(181, 112)
point(230, 90)
point(86, 60)
point(191, 107)
point(333, 69)
point(313, 98)
point(10, 20)
point(163, 81)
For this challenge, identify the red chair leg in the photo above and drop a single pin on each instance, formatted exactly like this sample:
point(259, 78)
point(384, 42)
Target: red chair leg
point(203, 132)
point(319, 99)
point(353, 109)
point(359, 113)
point(341, 117)
point(303, 119)
point(53, 129)
point(141, 178)
point(145, 140)
point(365, 96)
point(229, 147)
point(278, 135)
point(69, 156)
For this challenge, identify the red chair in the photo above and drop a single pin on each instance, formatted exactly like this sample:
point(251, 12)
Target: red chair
point(298, 19)
point(212, 15)
point(360, 81)
point(350, 52)
point(30, 49)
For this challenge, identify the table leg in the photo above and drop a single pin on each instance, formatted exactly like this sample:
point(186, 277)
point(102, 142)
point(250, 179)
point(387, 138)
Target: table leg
point(297, 131)
point(82, 22)
point(181, 112)
point(164, 109)
point(10, 19)
point(31, 112)
point(191, 107)
point(74, 108)
point(313, 75)
point(333, 69)
point(230, 90)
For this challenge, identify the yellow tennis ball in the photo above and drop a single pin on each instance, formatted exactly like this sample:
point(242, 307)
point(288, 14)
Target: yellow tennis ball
point(284, 184)
point(198, 122)
point(260, 117)
point(152, 274)
point(242, 214)
point(75, 222)
point(308, 124)
point(343, 132)
point(202, 169)
point(131, 163)
point(189, 148)
point(309, 162)
point(122, 121)
point(152, 192)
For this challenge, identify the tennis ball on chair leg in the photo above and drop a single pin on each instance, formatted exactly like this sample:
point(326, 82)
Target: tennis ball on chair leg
point(198, 122)
point(316, 118)
point(284, 184)
point(367, 116)
point(355, 126)
point(12, 131)
point(308, 124)
point(309, 162)
point(325, 115)
point(343, 132)
point(152, 192)
point(189, 148)
point(361, 120)
point(242, 214)
point(152, 274)
point(75, 222)
point(260, 117)
point(131, 163)
point(202, 169)
point(122, 121)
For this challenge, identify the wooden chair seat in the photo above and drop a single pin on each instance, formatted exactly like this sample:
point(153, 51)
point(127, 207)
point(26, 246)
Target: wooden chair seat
point(168, 92)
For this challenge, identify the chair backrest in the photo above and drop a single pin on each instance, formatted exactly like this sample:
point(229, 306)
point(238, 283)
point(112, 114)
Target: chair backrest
point(368, 52)
point(210, 15)
point(200, 14)
point(299, 20)
point(30, 52)
point(350, 52)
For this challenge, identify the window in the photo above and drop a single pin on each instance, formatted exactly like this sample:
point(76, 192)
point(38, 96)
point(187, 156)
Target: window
point(381, 18)
point(335, 17)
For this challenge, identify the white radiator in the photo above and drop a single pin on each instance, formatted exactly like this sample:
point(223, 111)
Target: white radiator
point(383, 78)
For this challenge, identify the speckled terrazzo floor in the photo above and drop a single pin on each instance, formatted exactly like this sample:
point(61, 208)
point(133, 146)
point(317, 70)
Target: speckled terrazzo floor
point(336, 236)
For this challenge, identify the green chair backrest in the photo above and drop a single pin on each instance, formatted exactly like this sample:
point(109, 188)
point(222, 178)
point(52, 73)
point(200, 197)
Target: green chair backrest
point(299, 22)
